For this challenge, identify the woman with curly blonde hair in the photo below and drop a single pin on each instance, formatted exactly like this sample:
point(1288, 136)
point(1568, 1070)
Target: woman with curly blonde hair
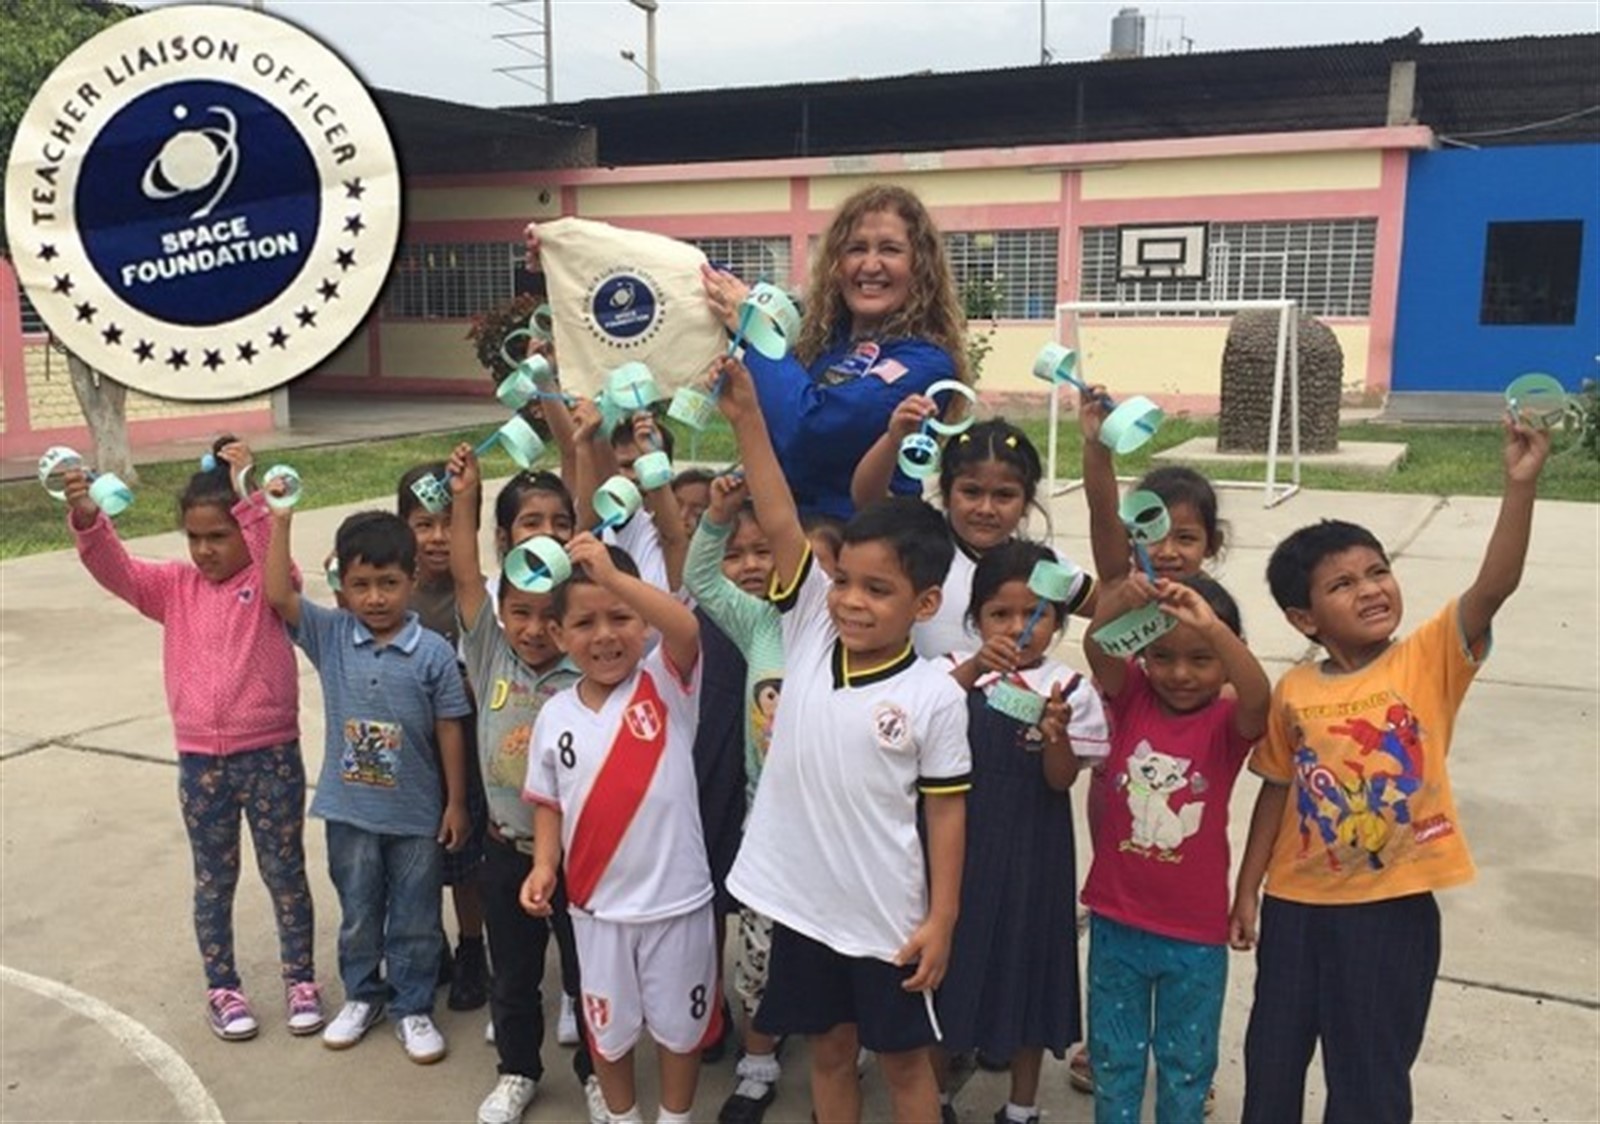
point(882, 322)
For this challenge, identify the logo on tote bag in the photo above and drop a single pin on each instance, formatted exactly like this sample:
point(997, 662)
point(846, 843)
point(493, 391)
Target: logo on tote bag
point(623, 307)
point(202, 202)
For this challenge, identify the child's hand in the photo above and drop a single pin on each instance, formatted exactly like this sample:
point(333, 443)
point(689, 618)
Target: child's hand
point(82, 508)
point(908, 416)
point(645, 433)
point(1125, 595)
point(724, 294)
point(1242, 923)
point(929, 950)
point(728, 493)
point(1057, 714)
point(538, 891)
point(277, 489)
point(455, 827)
point(1184, 604)
point(1092, 411)
point(585, 420)
point(465, 475)
point(999, 653)
point(738, 396)
point(1526, 448)
point(236, 455)
point(589, 552)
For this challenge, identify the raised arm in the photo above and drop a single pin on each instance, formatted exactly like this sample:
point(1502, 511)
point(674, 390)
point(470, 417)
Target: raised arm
point(1526, 448)
point(1116, 598)
point(466, 565)
point(1250, 683)
point(144, 585)
point(680, 631)
point(1107, 537)
point(585, 467)
point(876, 470)
point(278, 576)
point(662, 504)
point(774, 503)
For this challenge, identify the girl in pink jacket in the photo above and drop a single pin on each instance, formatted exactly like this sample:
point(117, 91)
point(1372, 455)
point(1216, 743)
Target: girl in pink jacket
point(233, 690)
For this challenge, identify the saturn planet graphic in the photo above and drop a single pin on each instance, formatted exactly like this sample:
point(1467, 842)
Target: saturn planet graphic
point(195, 159)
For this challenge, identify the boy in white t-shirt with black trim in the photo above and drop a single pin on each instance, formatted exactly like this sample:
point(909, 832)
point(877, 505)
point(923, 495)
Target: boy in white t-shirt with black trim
point(611, 777)
point(831, 849)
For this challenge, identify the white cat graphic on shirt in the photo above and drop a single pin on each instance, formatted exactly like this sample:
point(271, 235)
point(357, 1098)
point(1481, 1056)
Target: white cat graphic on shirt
point(1151, 778)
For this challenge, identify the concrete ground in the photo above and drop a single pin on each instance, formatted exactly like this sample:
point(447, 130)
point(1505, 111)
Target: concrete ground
point(100, 993)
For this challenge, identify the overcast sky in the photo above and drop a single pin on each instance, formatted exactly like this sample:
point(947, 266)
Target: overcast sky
point(448, 49)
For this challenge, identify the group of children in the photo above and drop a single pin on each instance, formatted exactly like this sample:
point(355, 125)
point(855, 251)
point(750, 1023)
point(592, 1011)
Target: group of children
point(895, 855)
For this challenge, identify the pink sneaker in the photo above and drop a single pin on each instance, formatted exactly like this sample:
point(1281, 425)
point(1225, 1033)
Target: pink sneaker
point(229, 1014)
point(304, 1000)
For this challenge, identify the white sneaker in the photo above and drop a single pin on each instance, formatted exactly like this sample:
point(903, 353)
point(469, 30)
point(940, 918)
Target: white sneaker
point(422, 1040)
point(488, 1032)
point(567, 1023)
point(351, 1024)
point(508, 1100)
point(596, 1101)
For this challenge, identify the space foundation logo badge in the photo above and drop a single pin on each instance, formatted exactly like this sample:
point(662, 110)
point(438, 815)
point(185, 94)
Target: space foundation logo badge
point(202, 202)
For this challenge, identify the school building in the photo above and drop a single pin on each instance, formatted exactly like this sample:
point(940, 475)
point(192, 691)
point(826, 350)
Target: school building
point(1435, 204)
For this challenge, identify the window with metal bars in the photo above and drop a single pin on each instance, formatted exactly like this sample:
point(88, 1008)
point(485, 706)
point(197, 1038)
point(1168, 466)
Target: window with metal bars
point(1325, 264)
point(32, 323)
point(451, 280)
point(1008, 274)
point(749, 259)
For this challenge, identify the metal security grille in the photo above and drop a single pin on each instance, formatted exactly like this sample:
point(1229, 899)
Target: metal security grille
point(32, 322)
point(451, 280)
point(1020, 266)
point(749, 259)
point(1324, 264)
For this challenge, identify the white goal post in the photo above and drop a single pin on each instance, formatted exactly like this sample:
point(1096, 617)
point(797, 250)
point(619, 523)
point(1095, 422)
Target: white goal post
point(1287, 362)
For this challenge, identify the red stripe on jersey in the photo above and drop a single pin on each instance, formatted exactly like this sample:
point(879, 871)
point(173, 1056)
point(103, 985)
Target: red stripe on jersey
point(618, 790)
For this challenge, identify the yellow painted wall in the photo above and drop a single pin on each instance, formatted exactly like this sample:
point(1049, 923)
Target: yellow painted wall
point(447, 204)
point(948, 189)
point(704, 198)
point(424, 350)
point(53, 405)
point(1235, 175)
point(1142, 357)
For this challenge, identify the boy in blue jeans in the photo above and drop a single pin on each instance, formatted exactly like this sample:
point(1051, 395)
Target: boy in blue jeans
point(1350, 934)
point(392, 694)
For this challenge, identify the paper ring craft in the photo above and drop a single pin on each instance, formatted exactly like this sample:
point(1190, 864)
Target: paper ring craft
point(1538, 394)
point(432, 492)
point(953, 386)
point(1130, 632)
point(1132, 423)
point(293, 489)
point(537, 565)
point(543, 323)
point(1056, 364)
point(617, 501)
point(1017, 702)
point(1145, 516)
point(110, 494)
point(694, 408)
point(520, 442)
point(632, 386)
point(654, 470)
point(331, 572)
point(521, 386)
point(505, 345)
point(919, 456)
point(1053, 581)
point(54, 464)
point(775, 323)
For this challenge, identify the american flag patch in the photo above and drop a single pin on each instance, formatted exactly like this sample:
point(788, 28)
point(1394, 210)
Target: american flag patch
point(889, 370)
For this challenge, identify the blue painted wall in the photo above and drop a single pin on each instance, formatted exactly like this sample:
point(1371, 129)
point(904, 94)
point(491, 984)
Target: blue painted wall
point(1451, 198)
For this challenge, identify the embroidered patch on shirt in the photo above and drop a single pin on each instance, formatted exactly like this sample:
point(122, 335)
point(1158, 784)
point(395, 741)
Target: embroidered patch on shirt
point(891, 726)
point(854, 365)
point(889, 370)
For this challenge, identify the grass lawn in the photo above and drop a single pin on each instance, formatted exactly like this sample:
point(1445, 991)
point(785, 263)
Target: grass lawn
point(1443, 460)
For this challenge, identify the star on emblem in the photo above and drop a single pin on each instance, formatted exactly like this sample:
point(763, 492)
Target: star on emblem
point(146, 351)
point(213, 359)
point(329, 289)
point(111, 334)
point(63, 285)
point(86, 312)
point(354, 225)
point(247, 352)
point(48, 252)
point(178, 359)
point(353, 189)
point(307, 318)
point(278, 337)
point(346, 259)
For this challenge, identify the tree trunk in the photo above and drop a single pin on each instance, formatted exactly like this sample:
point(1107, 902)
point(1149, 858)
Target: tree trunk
point(105, 407)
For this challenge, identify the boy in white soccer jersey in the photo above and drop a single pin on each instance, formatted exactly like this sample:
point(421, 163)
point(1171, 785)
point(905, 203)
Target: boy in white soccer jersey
point(831, 850)
point(611, 778)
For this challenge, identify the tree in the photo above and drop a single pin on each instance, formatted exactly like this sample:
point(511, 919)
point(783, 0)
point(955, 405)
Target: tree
point(35, 35)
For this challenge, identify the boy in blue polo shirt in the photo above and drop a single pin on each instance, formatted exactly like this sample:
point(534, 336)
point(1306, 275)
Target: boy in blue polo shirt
point(393, 702)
